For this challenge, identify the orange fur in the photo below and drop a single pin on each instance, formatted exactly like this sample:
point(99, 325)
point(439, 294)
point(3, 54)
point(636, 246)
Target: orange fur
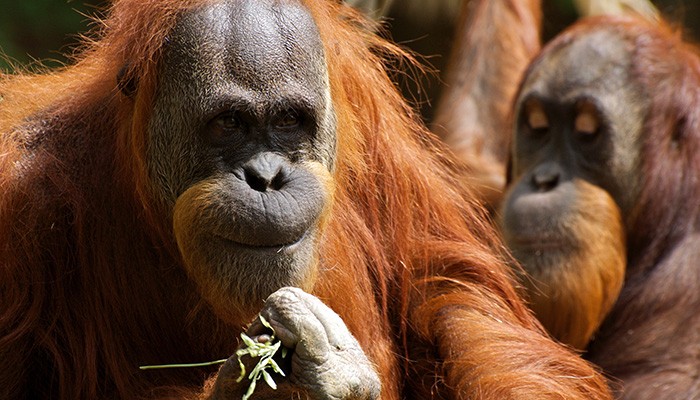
point(92, 282)
point(494, 43)
point(649, 341)
point(571, 292)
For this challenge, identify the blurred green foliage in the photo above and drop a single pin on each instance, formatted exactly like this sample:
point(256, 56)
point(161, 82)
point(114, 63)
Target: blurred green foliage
point(43, 30)
point(46, 30)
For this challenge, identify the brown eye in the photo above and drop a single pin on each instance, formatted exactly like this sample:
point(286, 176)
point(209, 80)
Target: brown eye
point(223, 127)
point(587, 122)
point(290, 119)
point(536, 117)
point(228, 122)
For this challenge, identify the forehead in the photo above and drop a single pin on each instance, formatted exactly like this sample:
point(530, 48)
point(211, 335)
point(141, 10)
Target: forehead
point(264, 46)
point(593, 64)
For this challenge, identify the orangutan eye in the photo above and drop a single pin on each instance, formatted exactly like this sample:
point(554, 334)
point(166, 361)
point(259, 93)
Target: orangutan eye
point(587, 122)
point(228, 122)
point(536, 117)
point(223, 127)
point(290, 119)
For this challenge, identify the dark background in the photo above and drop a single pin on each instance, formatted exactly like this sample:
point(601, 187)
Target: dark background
point(44, 30)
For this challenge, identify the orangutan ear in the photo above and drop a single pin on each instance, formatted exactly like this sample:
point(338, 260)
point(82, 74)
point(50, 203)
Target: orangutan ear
point(126, 81)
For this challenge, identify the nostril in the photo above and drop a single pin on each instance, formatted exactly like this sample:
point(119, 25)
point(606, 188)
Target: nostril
point(266, 172)
point(279, 180)
point(544, 182)
point(256, 181)
point(545, 179)
point(546, 176)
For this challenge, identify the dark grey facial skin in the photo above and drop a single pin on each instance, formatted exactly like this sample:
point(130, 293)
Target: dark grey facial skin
point(241, 145)
point(575, 172)
point(595, 69)
point(258, 59)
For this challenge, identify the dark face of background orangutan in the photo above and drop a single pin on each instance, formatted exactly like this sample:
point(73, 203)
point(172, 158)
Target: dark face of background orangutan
point(573, 176)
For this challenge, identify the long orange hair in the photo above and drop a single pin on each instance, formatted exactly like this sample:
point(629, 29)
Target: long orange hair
point(91, 280)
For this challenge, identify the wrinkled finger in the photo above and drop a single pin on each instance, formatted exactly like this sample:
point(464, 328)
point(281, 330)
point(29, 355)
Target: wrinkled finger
point(295, 324)
point(336, 331)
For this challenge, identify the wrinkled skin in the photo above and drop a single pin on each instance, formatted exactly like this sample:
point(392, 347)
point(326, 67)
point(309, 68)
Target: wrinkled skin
point(610, 109)
point(327, 362)
point(243, 139)
point(573, 176)
point(242, 148)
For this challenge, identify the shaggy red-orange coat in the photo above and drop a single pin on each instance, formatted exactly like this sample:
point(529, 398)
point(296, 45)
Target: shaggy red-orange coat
point(91, 280)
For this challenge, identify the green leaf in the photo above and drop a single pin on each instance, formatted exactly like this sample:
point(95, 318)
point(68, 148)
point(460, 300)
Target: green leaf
point(250, 391)
point(268, 379)
point(276, 367)
point(265, 323)
point(242, 367)
point(204, 364)
point(265, 351)
point(247, 340)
